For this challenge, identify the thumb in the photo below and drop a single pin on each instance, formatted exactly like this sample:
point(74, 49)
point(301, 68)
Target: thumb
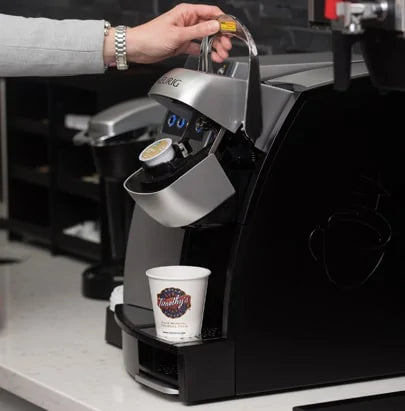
point(198, 31)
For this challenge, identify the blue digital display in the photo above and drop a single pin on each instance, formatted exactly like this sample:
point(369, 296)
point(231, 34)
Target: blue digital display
point(176, 126)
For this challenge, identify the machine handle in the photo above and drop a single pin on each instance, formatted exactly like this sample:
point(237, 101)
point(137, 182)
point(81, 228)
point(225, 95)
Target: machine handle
point(342, 59)
point(232, 27)
point(341, 48)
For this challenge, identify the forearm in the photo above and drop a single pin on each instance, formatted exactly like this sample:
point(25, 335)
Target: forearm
point(44, 47)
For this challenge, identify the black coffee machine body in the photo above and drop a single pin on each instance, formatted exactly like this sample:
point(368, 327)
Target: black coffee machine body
point(300, 226)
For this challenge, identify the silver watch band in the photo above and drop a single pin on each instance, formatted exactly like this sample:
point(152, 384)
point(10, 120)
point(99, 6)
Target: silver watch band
point(121, 47)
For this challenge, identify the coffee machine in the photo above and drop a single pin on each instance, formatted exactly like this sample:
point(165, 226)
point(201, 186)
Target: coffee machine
point(116, 135)
point(375, 27)
point(290, 192)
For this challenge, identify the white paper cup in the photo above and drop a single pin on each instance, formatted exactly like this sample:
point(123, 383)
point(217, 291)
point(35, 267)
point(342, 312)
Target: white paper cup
point(178, 298)
point(160, 151)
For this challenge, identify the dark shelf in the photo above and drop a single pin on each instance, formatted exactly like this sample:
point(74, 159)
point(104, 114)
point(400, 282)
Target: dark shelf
point(46, 189)
point(37, 232)
point(30, 125)
point(29, 174)
point(78, 187)
point(78, 247)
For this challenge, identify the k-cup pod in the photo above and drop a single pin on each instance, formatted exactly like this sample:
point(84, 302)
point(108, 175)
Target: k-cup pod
point(161, 151)
point(178, 298)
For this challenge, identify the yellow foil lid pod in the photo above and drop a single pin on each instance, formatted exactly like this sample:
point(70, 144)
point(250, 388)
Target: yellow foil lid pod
point(161, 151)
point(228, 25)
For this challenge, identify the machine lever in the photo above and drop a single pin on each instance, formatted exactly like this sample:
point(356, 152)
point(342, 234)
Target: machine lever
point(230, 26)
point(342, 59)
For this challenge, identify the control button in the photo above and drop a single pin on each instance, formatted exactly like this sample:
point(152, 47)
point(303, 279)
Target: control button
point(202, 124)
point(181, 122)
point(172, 120)
point(198, 129)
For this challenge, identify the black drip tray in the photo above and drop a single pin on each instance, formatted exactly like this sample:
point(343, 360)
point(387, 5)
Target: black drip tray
point(383, 402)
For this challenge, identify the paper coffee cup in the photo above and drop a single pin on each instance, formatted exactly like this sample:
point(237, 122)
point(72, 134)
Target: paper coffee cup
point(178, 298)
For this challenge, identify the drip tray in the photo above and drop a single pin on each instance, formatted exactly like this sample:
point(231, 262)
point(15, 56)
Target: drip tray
point(383, 402)
point(196, 370)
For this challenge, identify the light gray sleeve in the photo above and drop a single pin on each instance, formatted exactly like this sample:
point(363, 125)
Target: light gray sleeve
point(45, 47)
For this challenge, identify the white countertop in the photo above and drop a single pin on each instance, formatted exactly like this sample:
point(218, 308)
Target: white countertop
point(53, 353)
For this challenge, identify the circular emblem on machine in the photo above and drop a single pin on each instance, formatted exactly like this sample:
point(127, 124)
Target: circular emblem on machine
point(173, 302)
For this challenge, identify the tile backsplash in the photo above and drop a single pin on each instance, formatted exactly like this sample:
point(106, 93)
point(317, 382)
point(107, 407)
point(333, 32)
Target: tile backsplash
point(279, 26)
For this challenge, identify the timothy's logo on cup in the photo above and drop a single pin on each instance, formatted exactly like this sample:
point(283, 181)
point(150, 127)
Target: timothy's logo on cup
point(173, 302)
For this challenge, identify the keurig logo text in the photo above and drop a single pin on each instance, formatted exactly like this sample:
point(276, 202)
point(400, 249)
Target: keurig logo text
point(173, 302)
point(170, 81)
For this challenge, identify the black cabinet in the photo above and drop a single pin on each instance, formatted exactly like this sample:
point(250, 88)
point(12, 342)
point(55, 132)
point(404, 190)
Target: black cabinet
point(55, 194)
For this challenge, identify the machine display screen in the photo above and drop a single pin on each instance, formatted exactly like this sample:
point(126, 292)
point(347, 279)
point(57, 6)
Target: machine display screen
point(180, 128)
point(174, 125)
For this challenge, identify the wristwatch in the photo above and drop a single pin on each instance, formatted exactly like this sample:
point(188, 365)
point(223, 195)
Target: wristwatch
point(121, 47)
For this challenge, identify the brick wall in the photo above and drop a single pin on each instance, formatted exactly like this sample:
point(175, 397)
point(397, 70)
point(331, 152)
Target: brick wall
point(278, 25)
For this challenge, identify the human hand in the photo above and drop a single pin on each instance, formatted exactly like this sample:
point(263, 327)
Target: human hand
point(172, 33)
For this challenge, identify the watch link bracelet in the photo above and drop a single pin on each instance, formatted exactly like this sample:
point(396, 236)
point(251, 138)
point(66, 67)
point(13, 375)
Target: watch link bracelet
point(121, 47)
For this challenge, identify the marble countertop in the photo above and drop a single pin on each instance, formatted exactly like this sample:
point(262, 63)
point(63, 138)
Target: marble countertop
point(53, 353)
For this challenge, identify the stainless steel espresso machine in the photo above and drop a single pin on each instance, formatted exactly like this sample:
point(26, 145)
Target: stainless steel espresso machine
point(290, 192)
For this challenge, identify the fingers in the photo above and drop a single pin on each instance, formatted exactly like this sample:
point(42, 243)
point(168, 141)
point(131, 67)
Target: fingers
point(196, 21)
point(219, 53)
point(198, 31)
point(222, 46)
point(216, 57)
point(198, 11)
point(192, 48)
point(223, 43)
point(226, 43)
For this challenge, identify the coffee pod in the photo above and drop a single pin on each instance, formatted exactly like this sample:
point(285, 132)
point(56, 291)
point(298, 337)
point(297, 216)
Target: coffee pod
point(178, 298)
point(161, 151)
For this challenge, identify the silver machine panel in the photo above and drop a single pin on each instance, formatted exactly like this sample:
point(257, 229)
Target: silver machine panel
point(196, 89)
point(316, 77)
point(189, 198)
point(119, 119)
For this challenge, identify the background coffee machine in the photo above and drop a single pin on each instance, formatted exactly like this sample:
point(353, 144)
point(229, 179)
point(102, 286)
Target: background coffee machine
point(306, 255)
point(116, 135)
